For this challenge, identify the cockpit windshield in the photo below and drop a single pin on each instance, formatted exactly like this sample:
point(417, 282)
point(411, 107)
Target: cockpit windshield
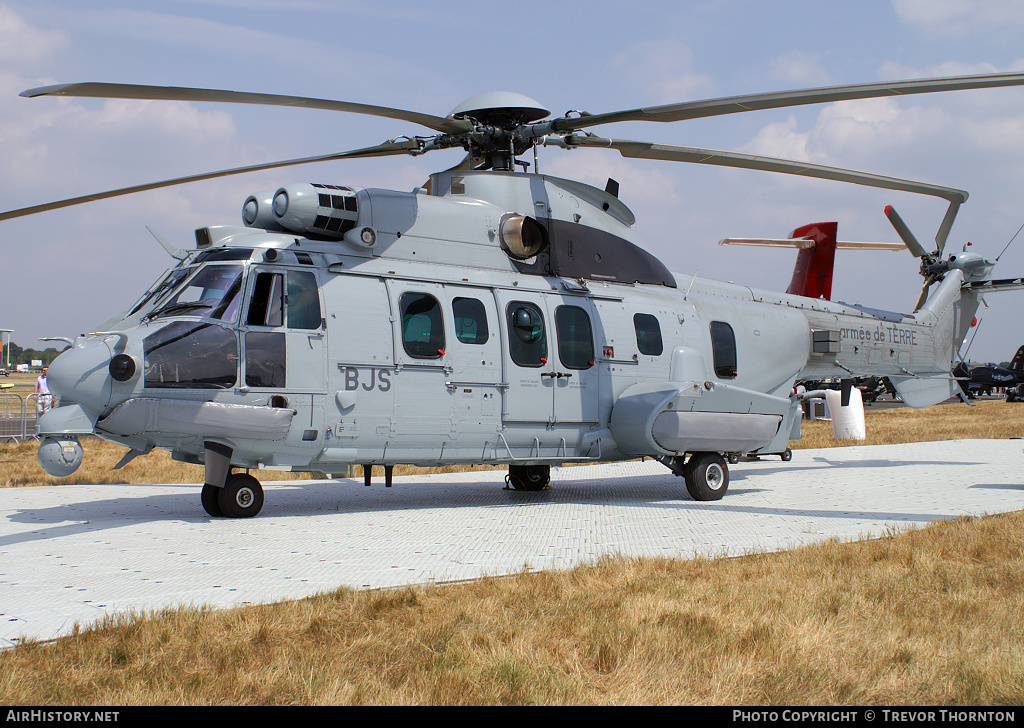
point(213, 292)
point(164, 287)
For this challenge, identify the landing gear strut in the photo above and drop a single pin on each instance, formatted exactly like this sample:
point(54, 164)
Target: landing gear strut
point(529, 477)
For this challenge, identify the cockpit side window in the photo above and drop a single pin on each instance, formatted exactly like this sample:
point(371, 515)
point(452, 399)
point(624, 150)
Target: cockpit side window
point(303, 300)
point(265, 359)
point(266, 308)
point(269, 306)
point(191, 355)
point(648, 334)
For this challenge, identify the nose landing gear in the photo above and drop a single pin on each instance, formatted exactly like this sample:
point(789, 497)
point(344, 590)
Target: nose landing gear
point(241, 497)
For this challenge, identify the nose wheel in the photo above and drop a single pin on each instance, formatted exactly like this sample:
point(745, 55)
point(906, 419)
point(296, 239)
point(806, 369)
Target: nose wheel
point(241, 497)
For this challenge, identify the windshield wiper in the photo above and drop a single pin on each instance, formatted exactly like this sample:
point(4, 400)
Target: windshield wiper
point(176, 308)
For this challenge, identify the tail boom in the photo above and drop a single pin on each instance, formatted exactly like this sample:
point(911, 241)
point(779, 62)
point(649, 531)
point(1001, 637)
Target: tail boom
point(915, 351)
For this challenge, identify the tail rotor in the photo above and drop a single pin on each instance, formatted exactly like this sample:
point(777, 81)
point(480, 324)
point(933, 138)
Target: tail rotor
point(931, 266)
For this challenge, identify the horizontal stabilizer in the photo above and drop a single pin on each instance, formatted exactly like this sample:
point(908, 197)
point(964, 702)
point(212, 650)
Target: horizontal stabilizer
point(925, 390)
point(802, 243)
point(1003, 284)
point(816, 246)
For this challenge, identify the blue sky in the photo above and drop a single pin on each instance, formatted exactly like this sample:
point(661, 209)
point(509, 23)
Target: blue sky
point(66, 271)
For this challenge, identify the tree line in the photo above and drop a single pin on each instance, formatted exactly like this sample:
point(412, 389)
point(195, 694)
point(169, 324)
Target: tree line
point(27, 356)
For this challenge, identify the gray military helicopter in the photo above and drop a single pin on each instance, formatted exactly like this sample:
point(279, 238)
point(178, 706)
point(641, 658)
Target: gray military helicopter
point(492, 316)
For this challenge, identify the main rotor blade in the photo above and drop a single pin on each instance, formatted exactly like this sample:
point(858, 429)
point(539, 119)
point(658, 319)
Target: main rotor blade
point(649, 150)
point(388, 148)
point(177, 93)
point(783, 99)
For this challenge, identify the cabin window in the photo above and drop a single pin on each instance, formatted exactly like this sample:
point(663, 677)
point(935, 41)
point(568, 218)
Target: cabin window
point(191, 355)
point(422, 328)
point(527, 342)
point(723, 348)
point(648, 334)
point(265, 359)
point(575, 338)
point(470, 321)
point(303, 300)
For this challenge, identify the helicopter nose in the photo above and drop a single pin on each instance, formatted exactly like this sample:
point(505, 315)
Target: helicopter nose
point(81, 374)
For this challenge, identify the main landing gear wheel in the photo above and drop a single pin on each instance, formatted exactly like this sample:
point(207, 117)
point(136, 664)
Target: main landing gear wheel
point(241, 496)
point(707, 476)
point(210, 504)
point(529, 477)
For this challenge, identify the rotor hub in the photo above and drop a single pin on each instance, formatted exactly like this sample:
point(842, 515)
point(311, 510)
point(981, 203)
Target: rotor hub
point(504, 109)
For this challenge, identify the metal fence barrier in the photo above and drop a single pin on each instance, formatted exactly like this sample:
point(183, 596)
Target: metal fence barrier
point(19, 416)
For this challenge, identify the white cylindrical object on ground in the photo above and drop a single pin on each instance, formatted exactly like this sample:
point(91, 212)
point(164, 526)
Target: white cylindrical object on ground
point(847, 422)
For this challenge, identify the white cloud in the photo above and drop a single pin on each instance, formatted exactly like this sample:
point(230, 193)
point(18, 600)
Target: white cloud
point(800, 67)
point(780, 139)
point(23, 45)
point(961, 17)
point(54, 143)
point(661, 71)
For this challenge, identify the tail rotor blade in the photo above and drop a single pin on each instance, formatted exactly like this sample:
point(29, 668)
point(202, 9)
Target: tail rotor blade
point(904, 232)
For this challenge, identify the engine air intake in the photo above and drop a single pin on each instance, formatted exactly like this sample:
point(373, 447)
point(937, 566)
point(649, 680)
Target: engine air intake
point(317, 209)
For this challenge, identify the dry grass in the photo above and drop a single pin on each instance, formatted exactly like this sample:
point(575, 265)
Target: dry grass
point(927, 617)
point(987, 420)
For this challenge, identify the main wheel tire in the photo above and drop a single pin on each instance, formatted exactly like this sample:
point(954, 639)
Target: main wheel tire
point(529, 477)
point(707, 476)
point(241, 496)
point(210, 502)
point(786, 455)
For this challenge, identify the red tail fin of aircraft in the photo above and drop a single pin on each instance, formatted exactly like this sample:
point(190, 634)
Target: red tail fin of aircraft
point(812, 274)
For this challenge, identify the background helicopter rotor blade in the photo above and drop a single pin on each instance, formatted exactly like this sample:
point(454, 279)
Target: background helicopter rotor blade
point(783, 99)
point(404, 146)
point(178, 93)
point(671, 153)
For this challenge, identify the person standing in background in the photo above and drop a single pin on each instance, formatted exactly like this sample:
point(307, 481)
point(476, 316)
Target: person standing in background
point(44, 399)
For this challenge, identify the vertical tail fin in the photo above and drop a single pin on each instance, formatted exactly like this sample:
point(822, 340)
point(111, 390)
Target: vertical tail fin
point(1017, 363)
point(812, 274)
